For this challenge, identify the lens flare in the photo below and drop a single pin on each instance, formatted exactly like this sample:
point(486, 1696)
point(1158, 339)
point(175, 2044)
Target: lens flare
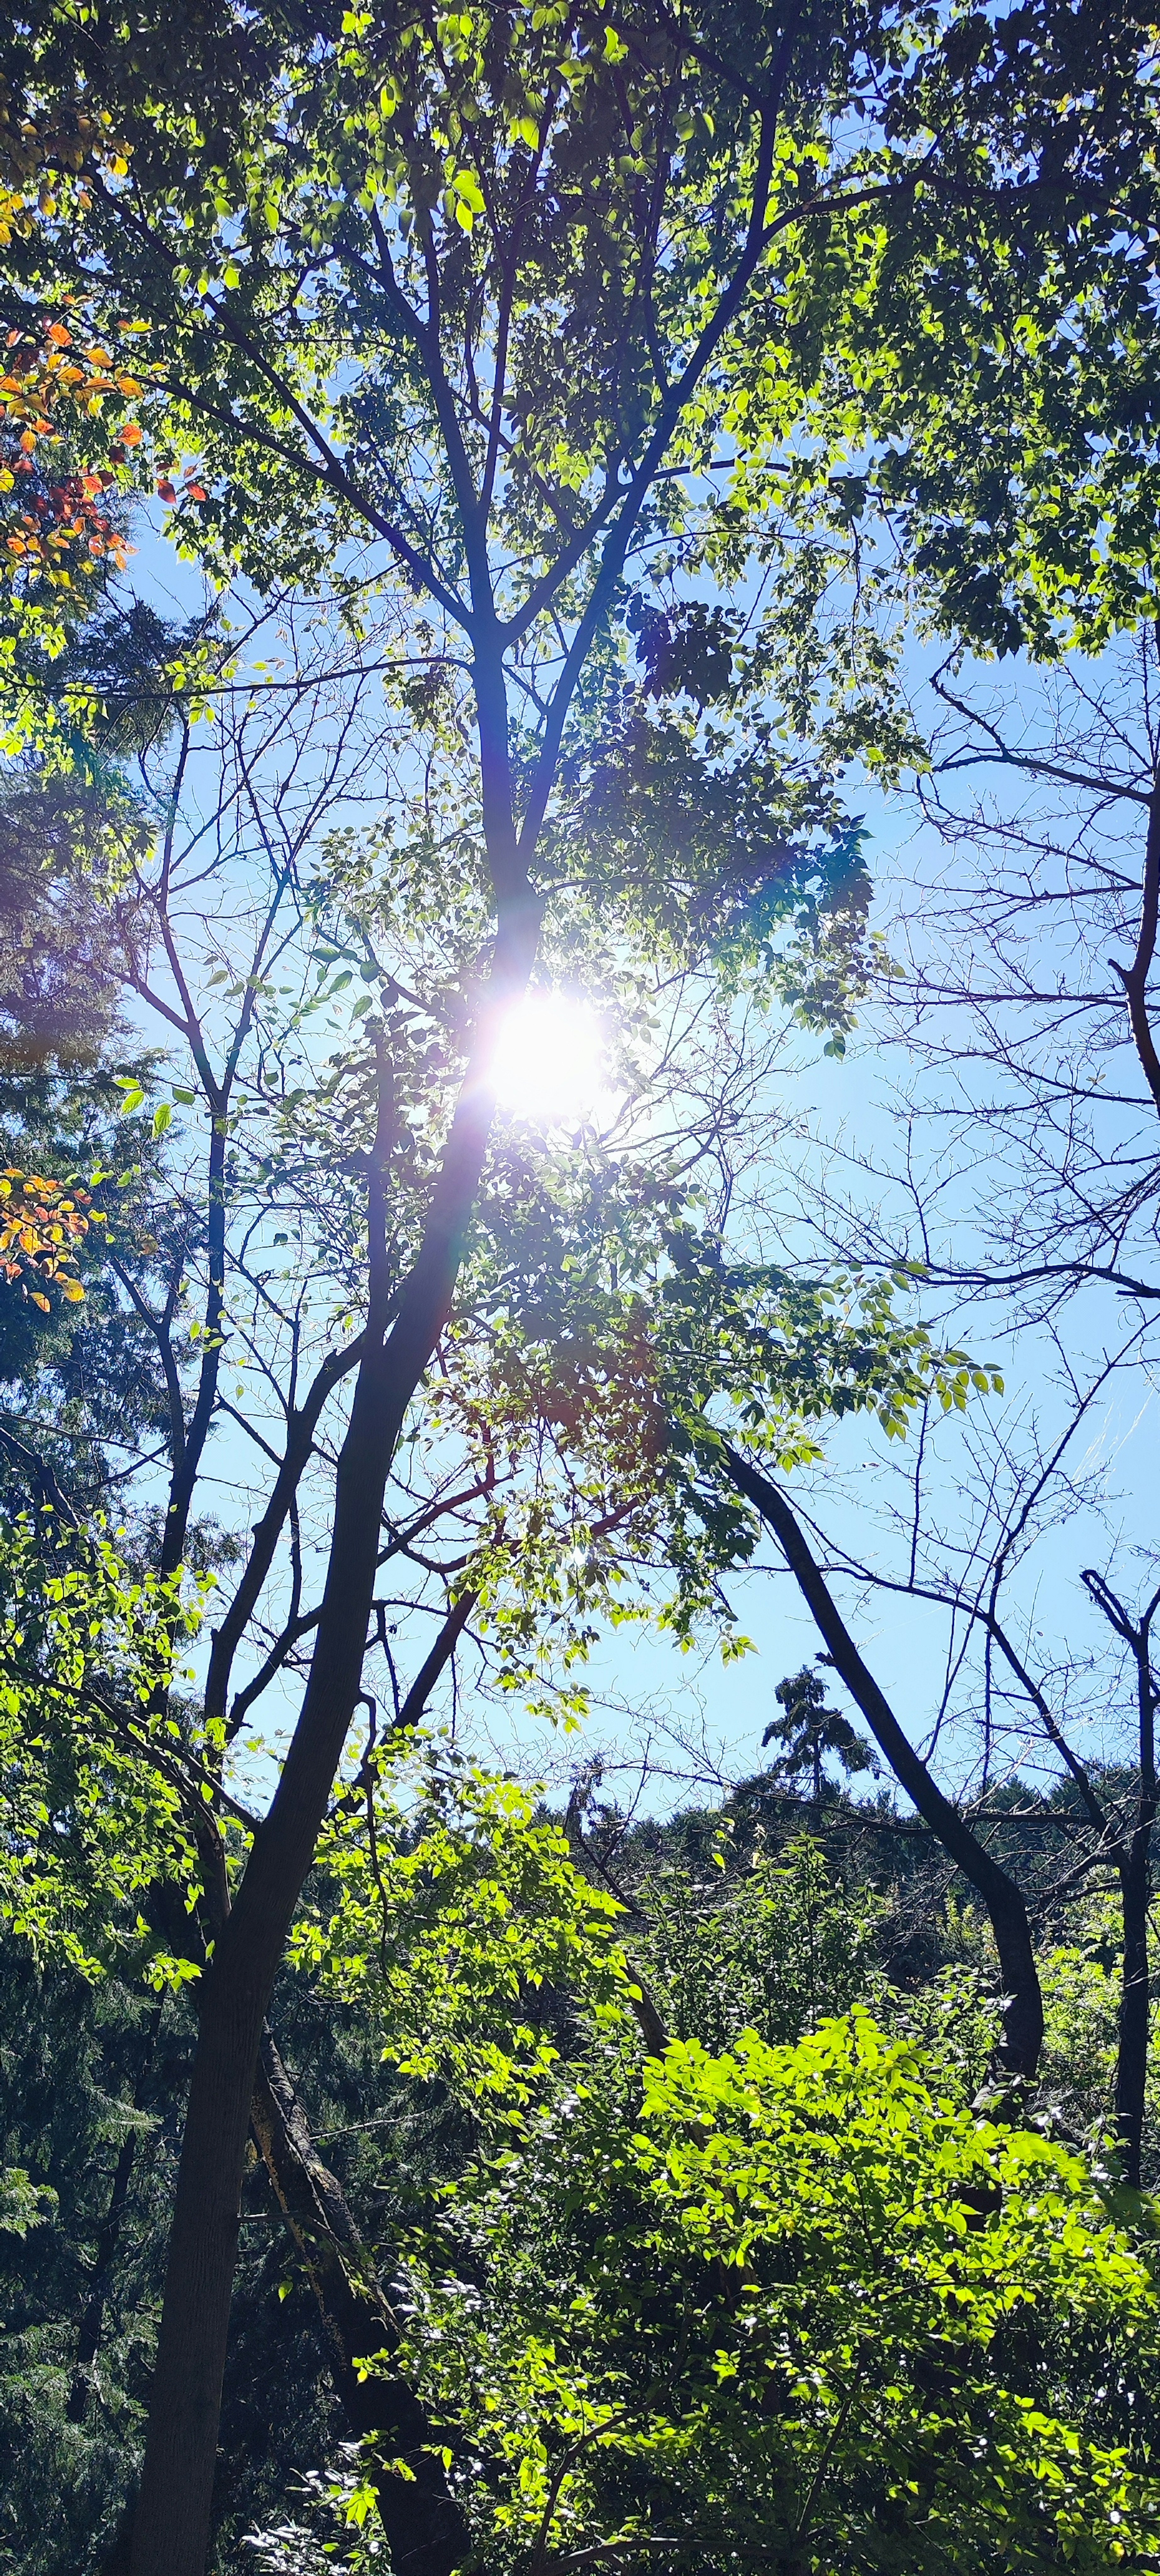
point(547, 1066)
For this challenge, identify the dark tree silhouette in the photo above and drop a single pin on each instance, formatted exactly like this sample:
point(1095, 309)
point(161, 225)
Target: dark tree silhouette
point(808, 1731)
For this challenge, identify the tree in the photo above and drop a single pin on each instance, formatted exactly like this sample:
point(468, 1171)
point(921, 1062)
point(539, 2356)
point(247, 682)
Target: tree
point(1052, 817)
point(446, 170)
point(92, 1638)
point(358, 291)
point(777, 2286)
point(1023, 2024)
point(1004, 498)
point(583, 2414)
point(807, 1731)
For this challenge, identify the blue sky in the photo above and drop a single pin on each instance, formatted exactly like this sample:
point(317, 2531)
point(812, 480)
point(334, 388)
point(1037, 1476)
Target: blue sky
point(701, 1721)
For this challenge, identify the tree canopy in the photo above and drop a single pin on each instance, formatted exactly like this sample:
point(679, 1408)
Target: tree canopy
point(572, 425)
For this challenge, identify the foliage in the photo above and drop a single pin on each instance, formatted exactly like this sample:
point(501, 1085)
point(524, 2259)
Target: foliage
point(714, 844)
point(776, 1946)
point(450, 1905)
point(433, 133)
point(994, 382)
point(515, 331)
point(606, 1340)
point(795, 2299)
point(23, 2203)
point(92, 2089)
point(937, 208)
point(42, 1221)
point(83, 1377)
point(1082, 1978)
point(61, 512)
point(75, 2102)
point(56, 531)
point(101, 1781)
point(772, 1942)
point(58, 964)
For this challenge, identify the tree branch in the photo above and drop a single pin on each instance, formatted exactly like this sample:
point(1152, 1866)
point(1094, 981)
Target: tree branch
point(1023, 2016)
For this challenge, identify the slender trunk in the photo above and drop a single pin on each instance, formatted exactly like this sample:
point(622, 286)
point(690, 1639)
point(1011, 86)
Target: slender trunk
point(172, 2527)
point(1023, 2015)
point(187, 1460)
point(1134, 978)
point(1135, 1866)
point(1135, 1873)
point(425, 2529)
point(1135, 2005)
point(171, 2533)
point(1135, 1895)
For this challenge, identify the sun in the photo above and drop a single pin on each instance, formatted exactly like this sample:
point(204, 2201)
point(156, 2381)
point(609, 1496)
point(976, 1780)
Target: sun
point(548, 1062)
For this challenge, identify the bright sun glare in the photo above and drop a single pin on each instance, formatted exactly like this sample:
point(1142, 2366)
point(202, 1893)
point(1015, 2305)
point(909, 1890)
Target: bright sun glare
point(547, 1062)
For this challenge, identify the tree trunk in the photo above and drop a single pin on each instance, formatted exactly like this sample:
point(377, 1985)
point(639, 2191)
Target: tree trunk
point(1135, 1895)
point(171, 2534)
point(1135, 2003)
point(1023, 2015)
point(425, 2529)
point(172, 2527)
point(1135, 1869)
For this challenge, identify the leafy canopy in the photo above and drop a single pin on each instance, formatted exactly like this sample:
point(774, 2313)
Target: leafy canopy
point(793, 2301)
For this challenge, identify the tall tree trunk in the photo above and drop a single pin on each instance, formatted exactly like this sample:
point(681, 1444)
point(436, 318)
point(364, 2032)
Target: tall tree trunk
point(1135, 2000)
point(425, 2529)
point(172, 2526)
point(1135, 1899)
point(1023, 2016)
point(1135, 1871)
